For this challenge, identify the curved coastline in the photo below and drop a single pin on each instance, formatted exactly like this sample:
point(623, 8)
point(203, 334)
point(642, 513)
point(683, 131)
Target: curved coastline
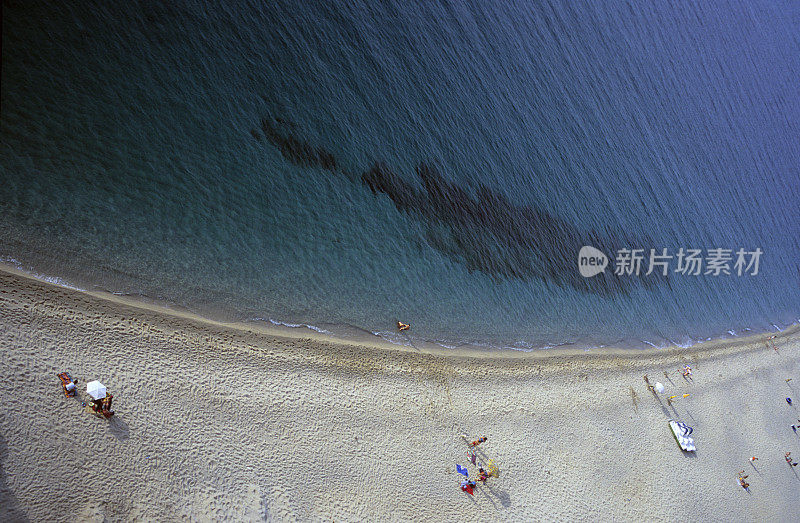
point(278, 329)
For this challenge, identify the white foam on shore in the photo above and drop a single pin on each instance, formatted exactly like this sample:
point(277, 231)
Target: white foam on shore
point(393, 338)
point(292, 325)
point(55, 280)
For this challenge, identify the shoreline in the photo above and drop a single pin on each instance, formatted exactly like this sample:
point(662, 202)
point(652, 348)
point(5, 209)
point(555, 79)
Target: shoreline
point(290, 334)
point(301, 331)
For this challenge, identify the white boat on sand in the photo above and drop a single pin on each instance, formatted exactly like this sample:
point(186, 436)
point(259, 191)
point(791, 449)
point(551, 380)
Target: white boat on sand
point(681, 432)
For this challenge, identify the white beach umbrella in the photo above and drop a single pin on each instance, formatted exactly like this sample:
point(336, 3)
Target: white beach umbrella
point(96, 389)
point(659, 387)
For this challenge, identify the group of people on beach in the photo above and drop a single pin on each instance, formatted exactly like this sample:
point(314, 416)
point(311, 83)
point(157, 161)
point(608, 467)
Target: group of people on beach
point(788, 455)
point(771, 339)
point(468, 485)
point(100, 406)
point(686, 372)
point(742, 477)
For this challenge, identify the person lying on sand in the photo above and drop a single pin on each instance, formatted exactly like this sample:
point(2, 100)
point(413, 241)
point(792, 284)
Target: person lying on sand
point(478, 441)
point(468, 485)
point(68, 384)
point(743, 483)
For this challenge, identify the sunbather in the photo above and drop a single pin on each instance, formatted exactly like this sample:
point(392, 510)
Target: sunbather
point(467, 486)
point(743, 483)
point(478, 441)
point(67, 384)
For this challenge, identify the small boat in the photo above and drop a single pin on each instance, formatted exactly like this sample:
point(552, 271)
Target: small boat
point(681, 432)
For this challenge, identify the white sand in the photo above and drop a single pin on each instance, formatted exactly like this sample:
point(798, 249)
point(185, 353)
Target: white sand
point(215, 422)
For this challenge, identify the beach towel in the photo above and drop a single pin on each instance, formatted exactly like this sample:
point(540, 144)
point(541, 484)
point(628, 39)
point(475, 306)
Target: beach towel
point(66, 379)
point(462, 470)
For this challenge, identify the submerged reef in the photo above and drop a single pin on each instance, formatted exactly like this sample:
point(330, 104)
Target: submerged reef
point(477, 226)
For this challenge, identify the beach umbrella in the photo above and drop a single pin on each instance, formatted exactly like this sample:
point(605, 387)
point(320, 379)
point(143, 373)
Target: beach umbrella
point(660, 387)
point(462, 470)
point(96, 389)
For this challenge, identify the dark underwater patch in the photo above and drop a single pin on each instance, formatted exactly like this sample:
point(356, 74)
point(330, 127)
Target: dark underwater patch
point(478, 226)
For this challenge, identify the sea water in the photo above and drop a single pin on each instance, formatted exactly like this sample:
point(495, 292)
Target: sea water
point(344, 165)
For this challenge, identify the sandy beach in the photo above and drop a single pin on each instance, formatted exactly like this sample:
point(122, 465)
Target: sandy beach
point(228, 422)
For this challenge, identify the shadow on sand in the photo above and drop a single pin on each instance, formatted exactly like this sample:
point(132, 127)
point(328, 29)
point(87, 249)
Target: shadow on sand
point(119, 428)
point(9, 506)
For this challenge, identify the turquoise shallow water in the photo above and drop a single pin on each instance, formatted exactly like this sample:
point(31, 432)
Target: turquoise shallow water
point(348, 165)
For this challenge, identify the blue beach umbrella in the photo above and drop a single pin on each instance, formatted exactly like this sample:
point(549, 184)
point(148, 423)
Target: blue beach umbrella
point(462, 470)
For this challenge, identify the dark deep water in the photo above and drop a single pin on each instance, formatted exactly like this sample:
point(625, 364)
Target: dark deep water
point(344, 166)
